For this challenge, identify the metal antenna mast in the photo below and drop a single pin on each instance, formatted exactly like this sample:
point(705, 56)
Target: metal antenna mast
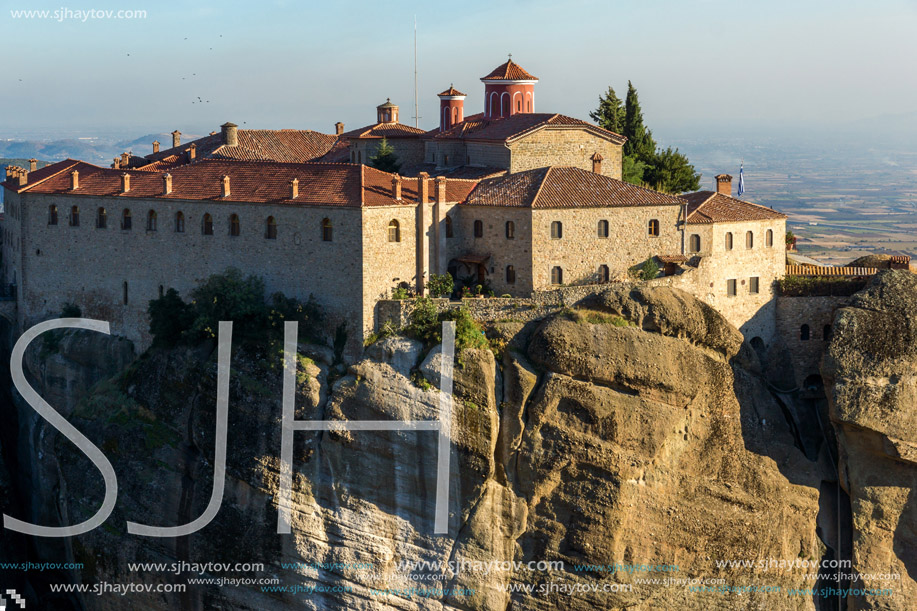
point(416, 113)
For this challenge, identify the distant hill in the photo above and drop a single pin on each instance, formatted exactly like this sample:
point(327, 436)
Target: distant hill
point(98, 150)
point(22, 163)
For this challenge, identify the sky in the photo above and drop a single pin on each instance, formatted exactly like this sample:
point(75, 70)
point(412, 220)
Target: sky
point(708, 67)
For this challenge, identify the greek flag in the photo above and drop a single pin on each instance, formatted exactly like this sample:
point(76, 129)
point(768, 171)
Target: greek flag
point(741, 180)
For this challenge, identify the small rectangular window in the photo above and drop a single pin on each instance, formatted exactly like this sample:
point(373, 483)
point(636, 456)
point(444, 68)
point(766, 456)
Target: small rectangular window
point(753, 285)
point(731, 288)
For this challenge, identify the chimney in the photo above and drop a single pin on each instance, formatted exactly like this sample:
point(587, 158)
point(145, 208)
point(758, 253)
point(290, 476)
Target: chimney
point(294, 188)
point(225, 188)
point(396, 187)
point(723, 184)
point(155, 146)
point(33, 165)
point(338, 128)
point(597, 162)
point(423, 187)
point(125, 160)
point(176, 138)
point(192, 152)
point(116, 164)
point(22, 177)
point(125, 182)
point(440, 189)
point(166, 184)
point(230, 133)
point(74, 180)
point(9, 171)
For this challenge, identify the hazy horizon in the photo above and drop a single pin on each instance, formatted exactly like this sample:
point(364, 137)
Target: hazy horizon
point(703, 69)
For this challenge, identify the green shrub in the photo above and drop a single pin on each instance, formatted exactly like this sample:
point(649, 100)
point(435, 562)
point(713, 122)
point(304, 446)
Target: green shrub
point(425, 321)
point(820, 286)
point(649, 270)
point(400, 292)
point(230, 297)
point(170, 318)
point(468, 333)
point(441, 285)
point(71, 310)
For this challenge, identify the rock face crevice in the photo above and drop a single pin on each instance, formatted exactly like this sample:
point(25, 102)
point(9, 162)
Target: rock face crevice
point(586, 444)
point(870, 373)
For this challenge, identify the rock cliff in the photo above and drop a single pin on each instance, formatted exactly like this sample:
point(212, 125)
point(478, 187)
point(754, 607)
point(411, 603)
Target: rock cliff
point(635, 429)
point(870, 370)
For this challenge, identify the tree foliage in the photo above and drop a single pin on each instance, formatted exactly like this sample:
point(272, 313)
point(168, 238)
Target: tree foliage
point(610, 113)
point(229, 297)
point(644, 163)
point(385, 158)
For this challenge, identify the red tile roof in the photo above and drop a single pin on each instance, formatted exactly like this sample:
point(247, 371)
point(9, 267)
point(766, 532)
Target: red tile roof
point(476, 127)
point(451, 91)
point(509, 71)
point(705, 207)
point(385, 130)
point(263, 182)
point(284, 145)
point(564, 187)
point(464, 171)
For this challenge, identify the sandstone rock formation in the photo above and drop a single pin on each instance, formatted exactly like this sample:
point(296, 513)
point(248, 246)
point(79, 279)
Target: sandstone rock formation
point(646, 438)
point(870, 370)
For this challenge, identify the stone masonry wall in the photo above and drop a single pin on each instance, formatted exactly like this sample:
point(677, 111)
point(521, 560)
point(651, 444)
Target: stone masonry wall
point(503, 251)
point(90, 266)
point(580, 251)
point(818, 314)
point(752, 313)
point(408, 150)
point(556, 146)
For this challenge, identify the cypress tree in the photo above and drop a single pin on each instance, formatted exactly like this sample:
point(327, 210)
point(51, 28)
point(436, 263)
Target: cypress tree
point(610, 113)
point(640, 143)
point(385, 158)
point(672, 172)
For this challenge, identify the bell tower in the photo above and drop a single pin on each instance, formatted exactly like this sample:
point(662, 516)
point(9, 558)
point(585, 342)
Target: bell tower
point(451, 108)
point(387, 113)
point(508, 90)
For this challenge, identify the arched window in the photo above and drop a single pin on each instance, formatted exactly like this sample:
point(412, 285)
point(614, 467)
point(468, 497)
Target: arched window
point(101, 219)
point(510, 230)
point(604, 273)
point(603, 229)
point(179, 222)
point(207, 225)
point(694, 245)
point(804, 333)
point(479, 229)
point(359, 156)
point(124, 292)
point(769, 238)
point(557, 275)
point(75, 216)
point(234, 228)
point(749, 239)
point(448, 226)
point(394, 231)
point(519, 105)
point(326, 230)
point(728, 240)
point(826, 332)
point(270, 228)
point(151, 220)
point(510, 274)
point(653, 228)
point(126, 224)
point(52, 215)
point(557, 230)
